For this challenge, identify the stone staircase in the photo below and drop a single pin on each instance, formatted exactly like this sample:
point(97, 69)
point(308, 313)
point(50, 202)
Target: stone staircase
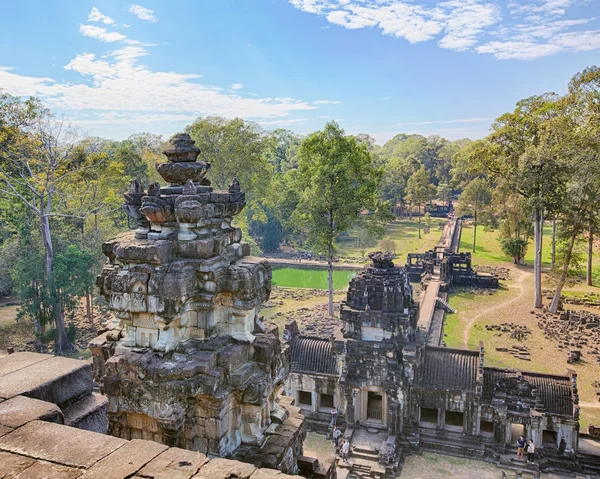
point(444, 305)
point(66, 383)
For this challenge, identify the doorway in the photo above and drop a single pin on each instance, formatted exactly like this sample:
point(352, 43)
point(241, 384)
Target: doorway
point(374, 406)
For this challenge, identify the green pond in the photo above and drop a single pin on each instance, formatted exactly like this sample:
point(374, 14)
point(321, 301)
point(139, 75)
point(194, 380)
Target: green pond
point(310, 278)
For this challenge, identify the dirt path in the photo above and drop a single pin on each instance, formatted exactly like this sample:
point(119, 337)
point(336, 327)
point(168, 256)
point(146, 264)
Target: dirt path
point(593, 405)
point(518, 284)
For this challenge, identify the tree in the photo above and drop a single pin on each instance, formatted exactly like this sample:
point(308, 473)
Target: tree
point(419, 190)
point(475, 199)
point(388, 245)
point(513, 153)
point(574, 137)
point(338, 185)
point(36, 164)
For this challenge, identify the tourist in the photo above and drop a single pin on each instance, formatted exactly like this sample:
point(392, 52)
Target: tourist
point(345, 450)
point(334, 414)
point(336, 436)
point(531, 452)
point(520, 447)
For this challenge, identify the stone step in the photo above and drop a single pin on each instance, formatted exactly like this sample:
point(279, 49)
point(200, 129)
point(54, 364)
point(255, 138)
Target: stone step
point(58, 380)
point(366, 450)
point(88, 413)
point(366, 455)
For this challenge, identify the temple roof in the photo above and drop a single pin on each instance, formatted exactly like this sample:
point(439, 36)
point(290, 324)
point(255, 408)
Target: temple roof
point(313, 355)
point(445, 368)
point(554, 392)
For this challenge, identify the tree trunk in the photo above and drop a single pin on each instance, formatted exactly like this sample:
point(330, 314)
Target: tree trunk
point(553, 256)
point(88, 307)
point(563, 275)
point(538, 222)
point(474, 232)
point(589, 257)
point(419, 214)
point(62, 344)
point(330, 278)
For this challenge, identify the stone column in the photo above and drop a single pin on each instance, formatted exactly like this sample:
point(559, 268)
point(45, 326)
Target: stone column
point(315, 400)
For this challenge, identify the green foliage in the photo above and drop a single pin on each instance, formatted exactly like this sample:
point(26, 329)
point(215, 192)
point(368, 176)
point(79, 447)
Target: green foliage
point(515, 248)
point(337, 182)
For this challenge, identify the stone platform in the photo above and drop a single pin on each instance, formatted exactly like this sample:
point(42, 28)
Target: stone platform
point(40, 393)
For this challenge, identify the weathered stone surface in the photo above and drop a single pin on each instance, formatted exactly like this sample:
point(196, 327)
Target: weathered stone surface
point(225, 469)
point(88, 413)
point(4, 430)
point(20, 410)
point(125, 461)
point(53, 442)
point(174, 463)
point(11, 465)
point(57, 380)
point(47, 470)
point(14, 362)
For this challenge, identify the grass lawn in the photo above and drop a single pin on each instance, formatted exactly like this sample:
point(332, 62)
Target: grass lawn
point(404, 233)
point(488, 250)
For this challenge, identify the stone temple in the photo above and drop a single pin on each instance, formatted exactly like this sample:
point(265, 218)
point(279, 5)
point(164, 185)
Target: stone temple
point(396, 394)
point(187, 362)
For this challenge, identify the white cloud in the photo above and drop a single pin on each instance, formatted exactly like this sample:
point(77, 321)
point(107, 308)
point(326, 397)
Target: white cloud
point(386, 98)
point(327, 102)
point(237, 86)
point(101, 33)
point(96, 16)
point(125, 25)
point(531, 30)
point(143, 13)
point(117, 89)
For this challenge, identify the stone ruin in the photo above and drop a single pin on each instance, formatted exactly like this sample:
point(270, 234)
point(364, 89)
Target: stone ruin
point(186, 362)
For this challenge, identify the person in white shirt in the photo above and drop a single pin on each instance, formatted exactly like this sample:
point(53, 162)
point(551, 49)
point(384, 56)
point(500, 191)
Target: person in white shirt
point(530, 452)
point(345, 450)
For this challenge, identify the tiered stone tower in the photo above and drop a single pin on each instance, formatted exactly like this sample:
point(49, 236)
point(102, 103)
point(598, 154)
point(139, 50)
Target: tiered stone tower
point(187, 362)
point(379, 317)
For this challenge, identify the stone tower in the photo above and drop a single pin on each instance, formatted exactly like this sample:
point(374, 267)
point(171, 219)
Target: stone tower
point(379, 317)
point(187, 362)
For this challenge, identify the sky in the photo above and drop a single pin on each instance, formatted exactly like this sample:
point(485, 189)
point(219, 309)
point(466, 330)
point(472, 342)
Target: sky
point(380, 67)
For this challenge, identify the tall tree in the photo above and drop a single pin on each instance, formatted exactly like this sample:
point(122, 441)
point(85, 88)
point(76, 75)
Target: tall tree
point(510, 153)
point(575, 137)
point(419, 190)
point(475, 199)
point(37, 163)
point(338, 184)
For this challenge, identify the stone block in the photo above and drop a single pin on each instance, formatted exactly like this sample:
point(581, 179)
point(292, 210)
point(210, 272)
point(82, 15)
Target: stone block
point(4, 430)
point(197, 249)
point(225, 469)
point(60, 444)
point(11, 465)
point(20, 410)
point(174, 463)
point(47, 470)
point(125, 461)
point(14, 362)
point(155, 252)
point(57, 380)
point(88, 413)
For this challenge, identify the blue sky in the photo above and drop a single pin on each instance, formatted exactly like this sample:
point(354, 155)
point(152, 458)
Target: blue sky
point(376, 66)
